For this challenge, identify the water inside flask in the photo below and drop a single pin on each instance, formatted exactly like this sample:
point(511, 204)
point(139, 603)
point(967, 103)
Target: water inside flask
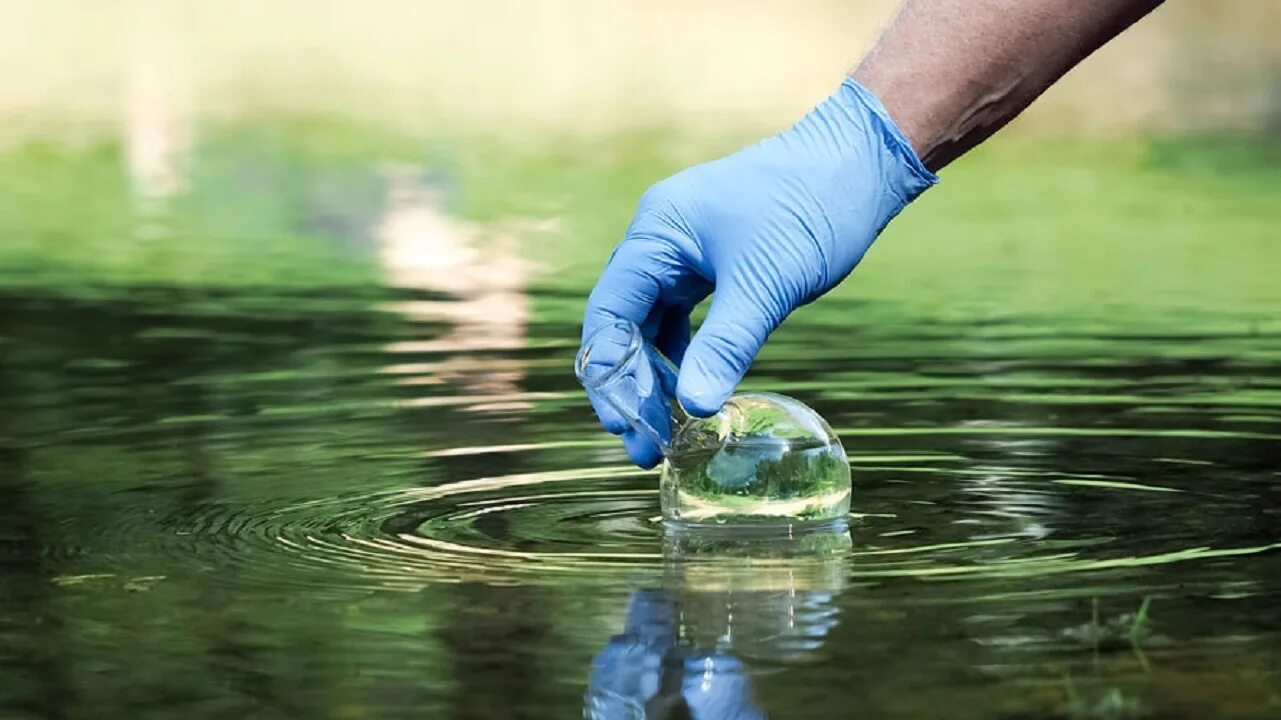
point(763, 461)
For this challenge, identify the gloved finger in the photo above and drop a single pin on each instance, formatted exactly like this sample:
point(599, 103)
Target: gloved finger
point(598, 356)
point(644, 280)
point(640, 388)
point(671, 339)
point(673, 334)
point(736, 327)
point(630, 286)
point(610, 419)
point(642, 452)
point(639, 448)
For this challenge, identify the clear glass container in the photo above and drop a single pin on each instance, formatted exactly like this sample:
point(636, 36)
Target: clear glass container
point(763, 461)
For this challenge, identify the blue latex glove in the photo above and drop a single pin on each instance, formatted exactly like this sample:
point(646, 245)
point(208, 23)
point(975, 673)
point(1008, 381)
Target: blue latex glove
point(645, 674)
point(770, 228)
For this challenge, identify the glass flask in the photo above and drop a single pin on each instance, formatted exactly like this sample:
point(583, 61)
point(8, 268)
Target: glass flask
point(763, 461)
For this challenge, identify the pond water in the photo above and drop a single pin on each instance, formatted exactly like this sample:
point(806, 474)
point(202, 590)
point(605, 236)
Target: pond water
point(384, 495)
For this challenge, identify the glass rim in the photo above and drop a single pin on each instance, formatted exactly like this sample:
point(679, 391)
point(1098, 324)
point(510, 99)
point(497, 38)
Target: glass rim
point(634, 344)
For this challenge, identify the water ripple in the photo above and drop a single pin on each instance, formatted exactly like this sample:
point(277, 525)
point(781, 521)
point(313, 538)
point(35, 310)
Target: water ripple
point(597, 524)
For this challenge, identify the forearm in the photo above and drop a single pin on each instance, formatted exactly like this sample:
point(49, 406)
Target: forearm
point(952, 72)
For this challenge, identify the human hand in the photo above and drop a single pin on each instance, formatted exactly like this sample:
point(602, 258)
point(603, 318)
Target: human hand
point(769, 228)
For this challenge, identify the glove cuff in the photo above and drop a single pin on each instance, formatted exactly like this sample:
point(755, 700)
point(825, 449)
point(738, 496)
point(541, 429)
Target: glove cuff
point(908, 175)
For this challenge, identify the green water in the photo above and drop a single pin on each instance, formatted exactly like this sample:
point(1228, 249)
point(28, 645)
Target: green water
point(245, 476)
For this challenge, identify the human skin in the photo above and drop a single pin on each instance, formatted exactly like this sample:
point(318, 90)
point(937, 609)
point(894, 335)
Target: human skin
point(952, 72)
point(781, 222)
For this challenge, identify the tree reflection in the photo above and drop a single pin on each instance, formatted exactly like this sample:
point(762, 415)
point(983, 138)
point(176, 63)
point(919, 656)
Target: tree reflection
point(687, 648)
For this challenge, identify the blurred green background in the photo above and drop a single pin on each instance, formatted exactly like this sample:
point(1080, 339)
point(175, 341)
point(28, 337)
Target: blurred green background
point(285, 282)
point(276, 142)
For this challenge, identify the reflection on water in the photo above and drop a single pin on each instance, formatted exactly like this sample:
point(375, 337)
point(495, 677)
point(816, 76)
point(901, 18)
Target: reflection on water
point(483, 279)
point(475, 275)
point(212, 492)
point(645, 672)
point(380, 492)
point(725, 601)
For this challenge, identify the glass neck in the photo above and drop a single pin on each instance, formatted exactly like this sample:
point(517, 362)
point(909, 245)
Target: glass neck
point(630, 381)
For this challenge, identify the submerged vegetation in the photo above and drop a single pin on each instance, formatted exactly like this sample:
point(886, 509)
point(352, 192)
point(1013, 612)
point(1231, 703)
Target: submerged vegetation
point(1094, 697)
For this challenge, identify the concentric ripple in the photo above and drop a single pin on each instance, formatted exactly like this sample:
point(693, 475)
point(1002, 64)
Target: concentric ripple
point(228, 473)
point(499, 529)
point(602, 523)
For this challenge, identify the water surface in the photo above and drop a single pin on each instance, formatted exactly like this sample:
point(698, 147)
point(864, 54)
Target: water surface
point(349, 480)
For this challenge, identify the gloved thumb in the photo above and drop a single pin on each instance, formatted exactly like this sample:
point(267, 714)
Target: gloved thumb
point(736, 327)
